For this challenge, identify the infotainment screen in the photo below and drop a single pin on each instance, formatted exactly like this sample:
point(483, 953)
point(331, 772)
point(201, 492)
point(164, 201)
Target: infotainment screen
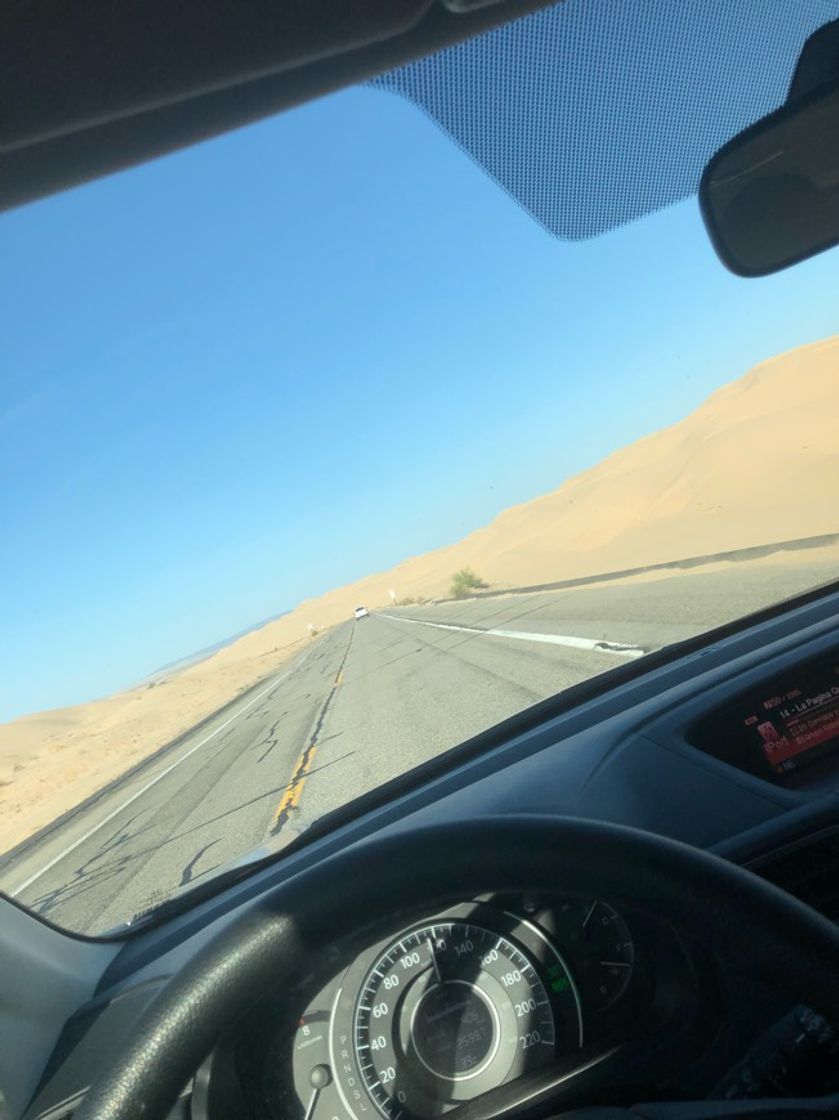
point(779, 728)
point(798, 724)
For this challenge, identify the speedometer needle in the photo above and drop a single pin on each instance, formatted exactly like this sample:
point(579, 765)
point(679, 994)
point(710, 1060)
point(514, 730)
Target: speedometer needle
point(434, 963)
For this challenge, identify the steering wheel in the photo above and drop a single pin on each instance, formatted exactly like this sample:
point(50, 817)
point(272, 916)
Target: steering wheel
point(290, 934)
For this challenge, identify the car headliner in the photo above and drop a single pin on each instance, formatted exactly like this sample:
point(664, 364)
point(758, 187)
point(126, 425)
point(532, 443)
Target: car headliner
point(589, 113)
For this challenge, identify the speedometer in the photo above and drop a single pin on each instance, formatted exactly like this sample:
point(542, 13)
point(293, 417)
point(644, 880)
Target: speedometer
point(452, 1010)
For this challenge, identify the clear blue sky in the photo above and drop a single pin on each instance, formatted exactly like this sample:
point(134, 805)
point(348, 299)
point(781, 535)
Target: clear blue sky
point(269, 365)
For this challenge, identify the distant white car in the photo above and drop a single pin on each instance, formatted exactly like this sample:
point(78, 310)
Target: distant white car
point(361, 612)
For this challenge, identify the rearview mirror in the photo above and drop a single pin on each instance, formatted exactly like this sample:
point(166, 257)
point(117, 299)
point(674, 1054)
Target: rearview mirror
point(770, 196)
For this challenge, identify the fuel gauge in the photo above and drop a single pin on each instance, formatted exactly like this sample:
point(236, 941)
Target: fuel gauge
point(604, 953)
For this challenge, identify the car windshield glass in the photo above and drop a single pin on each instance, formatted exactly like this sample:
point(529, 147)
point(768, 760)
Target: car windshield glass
point(328, 358)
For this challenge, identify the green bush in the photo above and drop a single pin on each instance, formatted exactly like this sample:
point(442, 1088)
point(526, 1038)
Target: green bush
point(465, 581)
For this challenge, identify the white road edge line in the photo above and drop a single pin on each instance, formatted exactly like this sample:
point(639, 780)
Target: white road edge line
point(617, 649)
point(134, 796)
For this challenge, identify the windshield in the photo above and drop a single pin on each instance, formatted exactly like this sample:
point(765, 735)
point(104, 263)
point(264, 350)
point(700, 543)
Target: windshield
point(324, 360)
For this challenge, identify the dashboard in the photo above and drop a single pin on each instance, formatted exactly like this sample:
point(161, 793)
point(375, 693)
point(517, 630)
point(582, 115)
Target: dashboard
point(503, 993)
point(501, 990)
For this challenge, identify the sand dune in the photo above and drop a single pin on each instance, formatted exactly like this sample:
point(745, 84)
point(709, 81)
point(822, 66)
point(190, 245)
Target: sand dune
point(757, 462)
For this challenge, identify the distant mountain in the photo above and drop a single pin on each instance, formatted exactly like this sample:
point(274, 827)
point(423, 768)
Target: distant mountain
point(208, 651)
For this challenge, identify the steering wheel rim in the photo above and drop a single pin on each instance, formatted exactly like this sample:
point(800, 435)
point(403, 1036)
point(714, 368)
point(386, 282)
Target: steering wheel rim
point(288, 935)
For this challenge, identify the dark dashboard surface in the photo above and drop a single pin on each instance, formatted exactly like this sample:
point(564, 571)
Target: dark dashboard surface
point(668, 752)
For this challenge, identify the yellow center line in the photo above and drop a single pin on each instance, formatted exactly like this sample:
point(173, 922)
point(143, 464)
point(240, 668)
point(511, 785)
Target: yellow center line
point(291, 797)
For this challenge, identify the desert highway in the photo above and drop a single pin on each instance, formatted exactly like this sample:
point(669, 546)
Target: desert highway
point(365, 702)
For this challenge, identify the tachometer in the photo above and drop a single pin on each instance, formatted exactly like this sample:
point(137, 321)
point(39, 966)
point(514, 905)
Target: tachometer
point(452, 1010)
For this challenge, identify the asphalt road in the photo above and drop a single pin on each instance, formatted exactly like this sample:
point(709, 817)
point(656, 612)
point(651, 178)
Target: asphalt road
point(365, 702)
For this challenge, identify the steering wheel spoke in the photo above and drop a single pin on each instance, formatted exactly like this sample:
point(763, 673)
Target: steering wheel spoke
point(573, 1078)
point(615, 1071)
point(801, 1108)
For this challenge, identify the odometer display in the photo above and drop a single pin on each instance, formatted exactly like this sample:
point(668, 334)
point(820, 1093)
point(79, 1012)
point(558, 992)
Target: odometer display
point(448, 1012)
